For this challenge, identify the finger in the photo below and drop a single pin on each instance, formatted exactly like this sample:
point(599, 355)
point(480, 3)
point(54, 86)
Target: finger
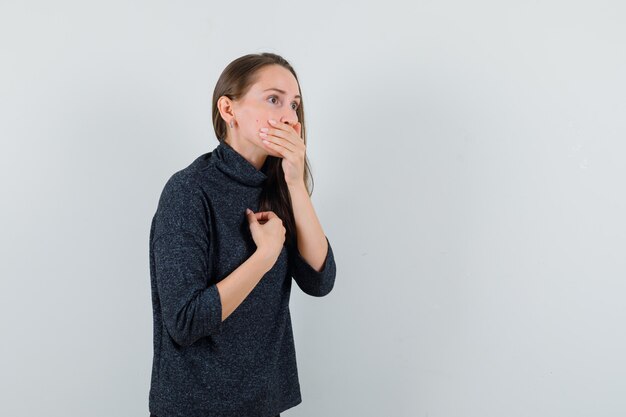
point(261, 216)
point(275, 148)
point(265, 215)
point(276, 132)
point(252, 217)
point(274, 135)
point(285, 125)
point(266, 141)
point(279, 140)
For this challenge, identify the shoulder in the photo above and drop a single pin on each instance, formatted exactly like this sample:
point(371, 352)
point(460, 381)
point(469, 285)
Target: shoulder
point(187, 182)
point(183, 203)
point(180, 189)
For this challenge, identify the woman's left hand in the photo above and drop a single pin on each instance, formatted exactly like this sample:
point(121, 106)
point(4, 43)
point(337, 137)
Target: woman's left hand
point(284, 141)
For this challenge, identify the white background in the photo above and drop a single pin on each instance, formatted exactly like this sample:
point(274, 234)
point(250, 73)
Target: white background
point(468, 160)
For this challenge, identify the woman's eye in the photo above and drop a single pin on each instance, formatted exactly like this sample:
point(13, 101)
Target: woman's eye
point(274, 97)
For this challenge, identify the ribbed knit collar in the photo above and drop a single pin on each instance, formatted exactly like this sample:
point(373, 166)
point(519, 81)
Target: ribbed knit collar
point(233, 164)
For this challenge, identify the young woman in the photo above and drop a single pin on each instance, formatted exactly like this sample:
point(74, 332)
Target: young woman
point(230, 232)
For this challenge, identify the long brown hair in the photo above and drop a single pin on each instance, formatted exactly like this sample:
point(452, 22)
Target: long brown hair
point(234, 83)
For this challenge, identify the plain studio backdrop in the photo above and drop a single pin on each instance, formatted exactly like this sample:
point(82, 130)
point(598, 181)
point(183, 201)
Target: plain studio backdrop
point(468, 160)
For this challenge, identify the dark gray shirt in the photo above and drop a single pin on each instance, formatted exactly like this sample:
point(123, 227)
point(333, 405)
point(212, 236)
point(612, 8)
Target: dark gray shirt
point(244, 366)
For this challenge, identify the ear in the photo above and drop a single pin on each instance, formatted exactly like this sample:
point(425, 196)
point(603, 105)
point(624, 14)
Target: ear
point(225, 106)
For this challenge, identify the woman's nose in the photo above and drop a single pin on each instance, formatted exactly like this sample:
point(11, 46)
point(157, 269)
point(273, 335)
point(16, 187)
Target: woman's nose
point(286, 120)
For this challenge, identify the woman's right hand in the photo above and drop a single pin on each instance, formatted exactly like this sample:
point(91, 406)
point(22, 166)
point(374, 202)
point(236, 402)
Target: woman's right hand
point(268, 233)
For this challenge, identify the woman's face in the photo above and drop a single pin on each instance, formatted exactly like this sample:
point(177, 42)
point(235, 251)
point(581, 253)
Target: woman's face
point(275, 95)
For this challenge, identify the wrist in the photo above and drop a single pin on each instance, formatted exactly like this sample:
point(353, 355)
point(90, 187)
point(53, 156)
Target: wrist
point(296, 186)
point(263, 258)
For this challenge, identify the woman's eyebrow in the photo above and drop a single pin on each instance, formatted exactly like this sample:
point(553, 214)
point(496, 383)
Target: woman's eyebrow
point(283, 92)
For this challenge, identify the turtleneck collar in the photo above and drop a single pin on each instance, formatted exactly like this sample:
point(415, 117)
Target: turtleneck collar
point(233, 164)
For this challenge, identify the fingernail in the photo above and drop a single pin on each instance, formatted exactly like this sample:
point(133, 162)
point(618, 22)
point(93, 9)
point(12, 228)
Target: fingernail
point(248, 211)
point(272, 121)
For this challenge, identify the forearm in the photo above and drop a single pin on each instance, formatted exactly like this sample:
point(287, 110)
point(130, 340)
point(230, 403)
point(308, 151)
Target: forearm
point(312, 243)
point(235, 287)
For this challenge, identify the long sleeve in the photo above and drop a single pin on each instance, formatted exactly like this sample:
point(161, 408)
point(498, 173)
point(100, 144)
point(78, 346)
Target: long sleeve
point(245, 366)
point(312, 282)
point(191, 308)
